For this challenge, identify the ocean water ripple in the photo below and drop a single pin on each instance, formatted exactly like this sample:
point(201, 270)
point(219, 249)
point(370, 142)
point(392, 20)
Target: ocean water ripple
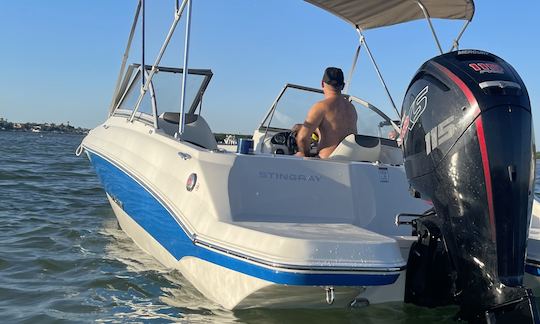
point(64, 259)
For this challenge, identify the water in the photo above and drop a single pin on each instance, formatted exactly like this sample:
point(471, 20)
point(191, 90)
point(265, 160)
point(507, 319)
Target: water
point(64, 259)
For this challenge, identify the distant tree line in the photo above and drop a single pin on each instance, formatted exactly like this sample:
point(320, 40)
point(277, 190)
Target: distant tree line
point(5, 125)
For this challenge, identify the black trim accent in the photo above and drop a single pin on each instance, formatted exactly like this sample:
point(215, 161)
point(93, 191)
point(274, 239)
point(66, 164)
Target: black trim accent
point(177, 70)
point(372, 141)
point(532, 262)
point(274, 129)
point(204, 72)
point(174, 117)
point(389, 142)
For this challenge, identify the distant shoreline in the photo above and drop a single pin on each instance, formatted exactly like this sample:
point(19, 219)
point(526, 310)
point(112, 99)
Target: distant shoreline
point(41, 127)
point(76, 132)
point(68, 129)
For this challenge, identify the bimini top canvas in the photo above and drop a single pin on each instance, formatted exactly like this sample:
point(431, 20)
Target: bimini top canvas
point(367, 14)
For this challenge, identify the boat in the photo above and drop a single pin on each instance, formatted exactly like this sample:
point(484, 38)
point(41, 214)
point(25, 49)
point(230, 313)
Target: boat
point(373, 223)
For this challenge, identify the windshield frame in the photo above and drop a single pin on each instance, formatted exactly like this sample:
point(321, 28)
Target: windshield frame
point(270, 113)
point(129, 81)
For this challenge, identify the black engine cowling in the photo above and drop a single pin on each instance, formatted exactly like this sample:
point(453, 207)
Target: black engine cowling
point(468, 147)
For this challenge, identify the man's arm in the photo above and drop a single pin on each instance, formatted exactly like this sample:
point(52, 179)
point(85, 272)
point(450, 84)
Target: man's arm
point(312, 122)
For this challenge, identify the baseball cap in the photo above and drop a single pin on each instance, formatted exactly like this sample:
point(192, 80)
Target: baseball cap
point(333, 76)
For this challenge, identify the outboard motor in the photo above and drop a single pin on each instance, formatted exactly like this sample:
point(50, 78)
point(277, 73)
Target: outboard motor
point(468, 147)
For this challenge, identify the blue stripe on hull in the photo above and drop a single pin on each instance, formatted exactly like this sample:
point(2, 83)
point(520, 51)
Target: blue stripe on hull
point(156, 220)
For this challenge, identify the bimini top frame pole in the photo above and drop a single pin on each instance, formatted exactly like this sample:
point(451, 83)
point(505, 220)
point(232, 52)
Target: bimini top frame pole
point(455, 43)
point(353, 67)
point(124, 58)
point(362, 42)
point(185, 74)
point(428, 18)
point(154, 69)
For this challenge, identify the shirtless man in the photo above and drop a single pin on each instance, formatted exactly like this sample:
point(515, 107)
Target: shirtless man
point(334, 117)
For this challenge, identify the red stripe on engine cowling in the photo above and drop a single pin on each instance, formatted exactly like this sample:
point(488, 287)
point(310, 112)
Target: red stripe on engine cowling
point(462, 86)
point(481, 141)
point(487, 174)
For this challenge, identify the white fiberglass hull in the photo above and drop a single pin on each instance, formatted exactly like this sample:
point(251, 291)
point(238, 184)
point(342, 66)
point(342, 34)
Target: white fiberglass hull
point(235, 237)
point(235, 290)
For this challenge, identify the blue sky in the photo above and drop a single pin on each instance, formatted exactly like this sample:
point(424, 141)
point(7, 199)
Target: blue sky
point(60, 58)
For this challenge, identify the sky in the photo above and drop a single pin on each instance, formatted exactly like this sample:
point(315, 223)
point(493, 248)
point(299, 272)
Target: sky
point(60, 59)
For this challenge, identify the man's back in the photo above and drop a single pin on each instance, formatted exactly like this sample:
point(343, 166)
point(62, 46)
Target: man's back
point(335, 117)
point(339, 120)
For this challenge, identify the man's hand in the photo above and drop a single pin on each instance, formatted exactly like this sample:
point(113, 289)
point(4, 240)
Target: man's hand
point(300, 154)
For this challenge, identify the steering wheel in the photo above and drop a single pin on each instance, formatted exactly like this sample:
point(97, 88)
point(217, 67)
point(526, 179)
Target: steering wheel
point(292, 146)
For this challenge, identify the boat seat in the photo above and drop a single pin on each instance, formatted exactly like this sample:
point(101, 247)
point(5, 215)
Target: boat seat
point(365, 148)
point(196, 129)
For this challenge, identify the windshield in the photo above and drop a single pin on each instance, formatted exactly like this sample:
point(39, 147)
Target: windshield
point(292, 106)
point(165, 88)
point(372, 122)
point(295, 101)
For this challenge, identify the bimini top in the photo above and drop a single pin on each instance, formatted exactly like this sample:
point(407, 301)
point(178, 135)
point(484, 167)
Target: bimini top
point(367, 14)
